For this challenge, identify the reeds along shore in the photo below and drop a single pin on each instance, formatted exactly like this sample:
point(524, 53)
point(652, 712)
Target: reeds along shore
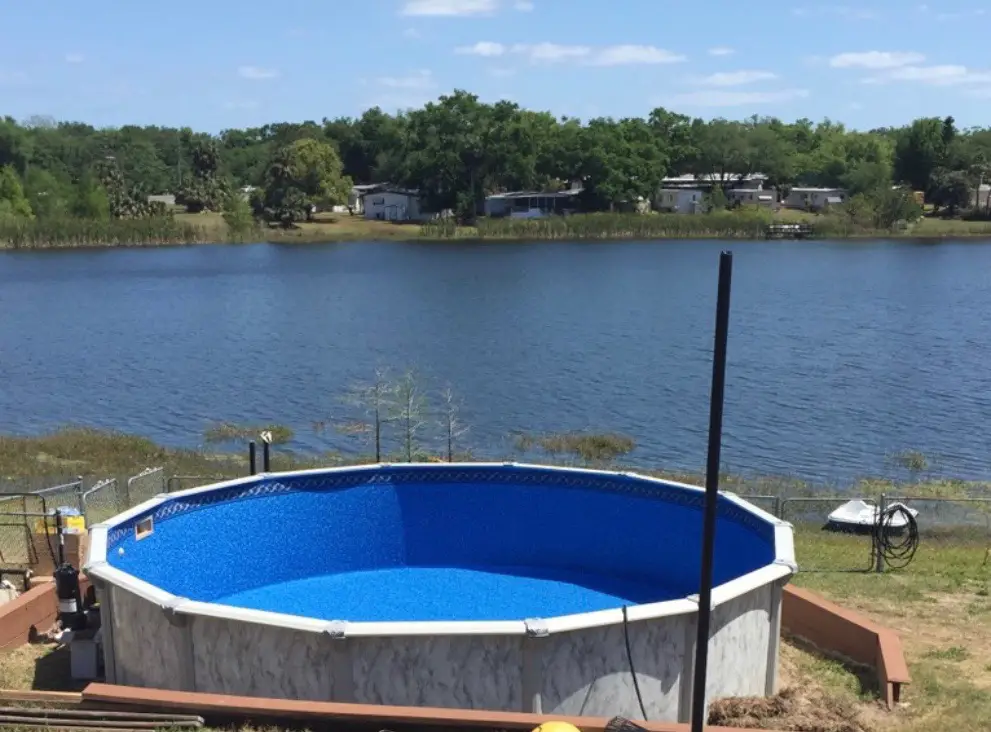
point(74, 232)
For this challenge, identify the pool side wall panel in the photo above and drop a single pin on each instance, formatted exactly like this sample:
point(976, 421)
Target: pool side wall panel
point(577, 672)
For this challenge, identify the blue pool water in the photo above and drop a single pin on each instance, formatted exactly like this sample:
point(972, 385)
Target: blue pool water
point(439, 593)
point(438, 542)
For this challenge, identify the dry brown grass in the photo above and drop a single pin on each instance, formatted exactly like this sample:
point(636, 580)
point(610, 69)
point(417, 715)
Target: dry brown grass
point(325, 227)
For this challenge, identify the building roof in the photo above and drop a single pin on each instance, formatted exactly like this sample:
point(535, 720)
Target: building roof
point(510, 195)
point(817, 190)
point(715, 178)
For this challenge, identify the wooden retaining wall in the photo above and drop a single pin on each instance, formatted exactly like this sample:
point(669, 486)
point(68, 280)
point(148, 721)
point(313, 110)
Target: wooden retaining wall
point(35, 611)
point(835, 631)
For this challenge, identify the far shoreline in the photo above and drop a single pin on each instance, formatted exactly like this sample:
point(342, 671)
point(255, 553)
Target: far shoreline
point(184, 230)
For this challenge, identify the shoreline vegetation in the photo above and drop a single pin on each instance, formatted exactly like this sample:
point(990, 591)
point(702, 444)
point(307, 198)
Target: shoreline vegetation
point(69, 452)
point(70, 185)
point(208, 228)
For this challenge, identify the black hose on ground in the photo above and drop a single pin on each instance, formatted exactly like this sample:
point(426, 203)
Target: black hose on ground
point(894, 549)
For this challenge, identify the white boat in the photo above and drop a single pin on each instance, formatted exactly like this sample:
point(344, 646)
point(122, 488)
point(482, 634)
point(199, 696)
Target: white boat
point(863, 515)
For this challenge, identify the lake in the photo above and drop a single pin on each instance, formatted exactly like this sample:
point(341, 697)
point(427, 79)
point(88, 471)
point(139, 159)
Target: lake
point(841, 354)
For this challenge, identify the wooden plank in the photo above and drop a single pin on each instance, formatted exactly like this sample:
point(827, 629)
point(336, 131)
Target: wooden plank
point(41, 697)
point(892, 670)
point(890, 651)
point(276, 710)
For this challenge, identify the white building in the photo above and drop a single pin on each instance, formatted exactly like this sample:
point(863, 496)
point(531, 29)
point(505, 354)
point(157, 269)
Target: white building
point(393, 204)
point(981, 196)
point(767, 197)
point(707, 182)
point(166, 199)
point(532, 204)
point(680, 200)
point(815, 199)
point(356, 198)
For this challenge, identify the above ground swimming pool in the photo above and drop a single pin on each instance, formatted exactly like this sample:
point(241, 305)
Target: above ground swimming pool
point(493, 586)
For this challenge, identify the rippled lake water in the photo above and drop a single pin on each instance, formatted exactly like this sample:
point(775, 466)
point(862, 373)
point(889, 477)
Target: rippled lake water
point(841, 354)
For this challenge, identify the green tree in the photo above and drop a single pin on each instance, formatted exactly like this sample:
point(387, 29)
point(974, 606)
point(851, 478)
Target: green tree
point(920, 150)
point(204, 189)
point(318, 172)
point(49, 197)
point(90, 200)
point(238, 216)
point(301, 175)
point(951, 189)
point(13, 202)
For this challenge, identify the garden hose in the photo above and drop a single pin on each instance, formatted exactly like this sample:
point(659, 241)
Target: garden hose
point(894, 550)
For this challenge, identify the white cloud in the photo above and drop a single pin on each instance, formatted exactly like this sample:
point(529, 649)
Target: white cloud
point(875, 59)
point(421, 79)
point(724, 98)
point(737, 78)
point(551, 52)
point(626, 55)
point(487, 49)
point(721, 51)
point(449, 8)
point(940, 75)
point(256, 73)
point(74, 58)
point(621, 55)
point(523, 6)
point(411, 33)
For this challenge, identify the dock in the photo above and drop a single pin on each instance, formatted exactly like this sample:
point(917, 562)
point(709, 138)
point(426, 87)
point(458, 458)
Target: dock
point(788, 231)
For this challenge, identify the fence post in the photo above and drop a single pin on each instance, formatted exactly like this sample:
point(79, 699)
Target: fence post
point(777, 506)
point(879, 529)
point(80, 503)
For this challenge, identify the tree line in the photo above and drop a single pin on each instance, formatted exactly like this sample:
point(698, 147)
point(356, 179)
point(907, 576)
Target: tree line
point(457, 149)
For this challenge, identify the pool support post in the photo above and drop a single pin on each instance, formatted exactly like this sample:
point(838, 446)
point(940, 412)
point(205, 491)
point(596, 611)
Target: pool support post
point(711, 490)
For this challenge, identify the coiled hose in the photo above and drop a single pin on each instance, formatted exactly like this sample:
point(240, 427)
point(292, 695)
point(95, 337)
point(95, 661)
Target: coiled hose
point(892, 549)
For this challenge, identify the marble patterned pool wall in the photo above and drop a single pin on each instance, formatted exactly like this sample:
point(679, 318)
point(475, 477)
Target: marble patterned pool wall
point(575, 672)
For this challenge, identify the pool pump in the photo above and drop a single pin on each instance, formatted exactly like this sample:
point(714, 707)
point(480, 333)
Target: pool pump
point(69, 595)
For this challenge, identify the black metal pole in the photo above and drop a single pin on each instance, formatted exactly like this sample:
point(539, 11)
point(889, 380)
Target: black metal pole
point(711, 489)
point(266, 458)
point(252, 467)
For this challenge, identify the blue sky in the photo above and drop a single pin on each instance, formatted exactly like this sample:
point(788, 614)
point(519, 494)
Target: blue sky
point(213, 65)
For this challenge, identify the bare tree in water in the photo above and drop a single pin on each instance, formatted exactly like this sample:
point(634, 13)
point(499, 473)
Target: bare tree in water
point(451, 423)
point(375, 399)
point(408, 409)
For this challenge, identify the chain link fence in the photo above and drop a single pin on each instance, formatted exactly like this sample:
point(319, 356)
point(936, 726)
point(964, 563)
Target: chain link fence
point(15, 532)
point(103, 501)
point(144, 486)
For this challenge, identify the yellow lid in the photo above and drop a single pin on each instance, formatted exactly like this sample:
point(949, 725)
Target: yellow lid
point(554, 726)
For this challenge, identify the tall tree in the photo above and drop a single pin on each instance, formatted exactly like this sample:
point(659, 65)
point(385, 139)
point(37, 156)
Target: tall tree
point(13, 202)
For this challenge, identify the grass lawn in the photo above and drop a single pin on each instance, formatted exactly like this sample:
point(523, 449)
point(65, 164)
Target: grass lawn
point(940, 605)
